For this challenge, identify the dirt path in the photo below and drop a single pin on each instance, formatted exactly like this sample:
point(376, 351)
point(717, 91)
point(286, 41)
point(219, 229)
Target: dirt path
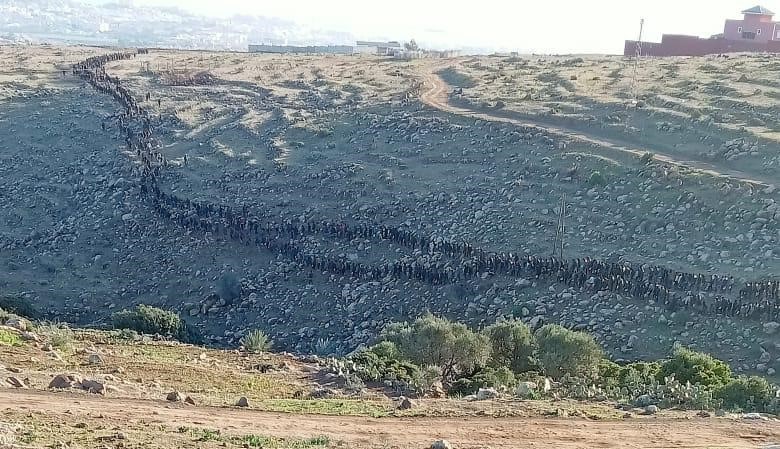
point(437, 97)
point(412, 432)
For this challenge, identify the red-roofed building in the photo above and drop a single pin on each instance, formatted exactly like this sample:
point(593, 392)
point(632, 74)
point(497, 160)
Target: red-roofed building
point(756, 32)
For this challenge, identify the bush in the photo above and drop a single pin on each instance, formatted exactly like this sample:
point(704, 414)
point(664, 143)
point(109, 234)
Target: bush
point(20, 306)
point(58, 334)
point(597, 179)
point(256, 341)
point(386, 350)
point(485, 378)
point(565, 352)
point(152, 320)
point(697, 368)
point(9, 339)
point(747, 393)
point(512, 345)
point(631, 376)
point(429, 340)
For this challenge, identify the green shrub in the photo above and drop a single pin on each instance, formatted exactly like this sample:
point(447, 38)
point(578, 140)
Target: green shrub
point(152, 320)
point(256, 341)
point(429, 340)
point(565, 352)
point(697, 368)
point(386, 350)
point(512, 345)
point(597, 179)
point(484, 378)
point(747, 393)
point(630, 376)
point(20, 306)
point(371, 367)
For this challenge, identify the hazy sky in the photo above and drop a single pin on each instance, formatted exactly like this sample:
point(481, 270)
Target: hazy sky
point(554, 26)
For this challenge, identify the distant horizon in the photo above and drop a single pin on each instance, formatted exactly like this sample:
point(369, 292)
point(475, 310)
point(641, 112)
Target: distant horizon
point(552, 27)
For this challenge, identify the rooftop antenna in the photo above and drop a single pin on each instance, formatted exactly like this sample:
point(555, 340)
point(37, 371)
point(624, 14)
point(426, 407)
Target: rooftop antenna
point(637, 56)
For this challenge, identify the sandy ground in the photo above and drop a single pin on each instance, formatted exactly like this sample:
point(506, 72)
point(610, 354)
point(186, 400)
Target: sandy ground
point(413, 432)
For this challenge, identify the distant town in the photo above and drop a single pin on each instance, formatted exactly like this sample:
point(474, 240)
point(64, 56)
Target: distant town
point(123, 24)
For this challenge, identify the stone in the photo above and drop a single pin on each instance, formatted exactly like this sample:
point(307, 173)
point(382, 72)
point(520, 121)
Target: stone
point(18, 324)
point(441, 444)
point(95, 359)
point(644, 400)
point(64, 381)
point(242, 402)
point(405, 403)
point(94, 387)
point(436, 391)
point(720, 413)
point(189, 400)
point(30, 336)
point(754, 416)
point(174, 396)
point(525, 389)
point(16, 382)
point(704, 414)
point(771, 327)
point(485, 394)
point(651, 410)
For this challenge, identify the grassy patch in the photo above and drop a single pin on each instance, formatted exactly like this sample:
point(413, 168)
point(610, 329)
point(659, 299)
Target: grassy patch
point(281, 443)
point(339, 407)
point(8, 338)
point(59, 335)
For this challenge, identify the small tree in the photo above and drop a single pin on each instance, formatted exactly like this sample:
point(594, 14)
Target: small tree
point(512, 345)
point(411, 45)
point(429, 340)
point(695, 367)
point(563, 351)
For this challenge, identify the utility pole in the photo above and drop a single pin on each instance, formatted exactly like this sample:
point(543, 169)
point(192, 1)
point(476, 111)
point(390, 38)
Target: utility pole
point(560, 229)
point(637, 56)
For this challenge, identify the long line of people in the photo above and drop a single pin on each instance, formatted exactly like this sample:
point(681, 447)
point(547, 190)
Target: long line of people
point(675, 290)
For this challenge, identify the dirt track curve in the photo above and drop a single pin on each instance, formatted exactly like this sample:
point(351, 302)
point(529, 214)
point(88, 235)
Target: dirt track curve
point(437, 97)
point(413, 432)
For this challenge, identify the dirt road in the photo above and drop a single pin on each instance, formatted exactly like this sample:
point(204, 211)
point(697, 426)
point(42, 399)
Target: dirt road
point(437, 97)
point(411, 432)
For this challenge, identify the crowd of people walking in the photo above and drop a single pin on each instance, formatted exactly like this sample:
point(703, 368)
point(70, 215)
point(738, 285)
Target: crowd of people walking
point(706, 293)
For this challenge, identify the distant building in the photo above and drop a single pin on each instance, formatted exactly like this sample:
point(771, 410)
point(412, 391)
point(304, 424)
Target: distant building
point(378, 48)
point(756, 32)
point(295, 49)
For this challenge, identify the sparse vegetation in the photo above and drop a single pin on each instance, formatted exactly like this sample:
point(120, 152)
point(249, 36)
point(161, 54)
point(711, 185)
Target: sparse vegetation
point(8, 338)
point(59, 335)
point(256, 341)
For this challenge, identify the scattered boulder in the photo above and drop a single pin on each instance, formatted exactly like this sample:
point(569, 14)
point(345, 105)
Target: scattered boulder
point(94, 387)
point(64, 381)
point(754, 416)
point(486, 393)
point(651, 410)
point(95, 359)
point(526, 389)
point(174, 396)
point(436, 391)
point(405, 403)
point(441, 444)
point(644, 400)
point(16, 382)
point(18, 324)
point(189, 400)
point(242, 402)
point(771, 327)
